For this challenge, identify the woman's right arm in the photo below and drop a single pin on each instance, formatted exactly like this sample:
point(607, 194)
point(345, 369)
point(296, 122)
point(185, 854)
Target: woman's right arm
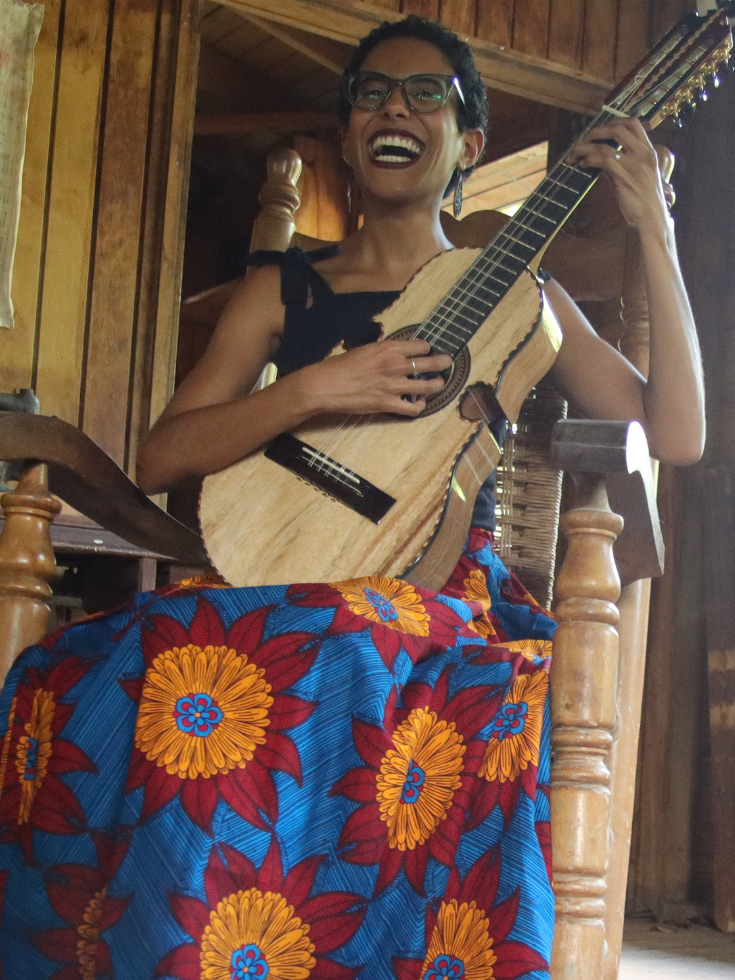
point(212, 420)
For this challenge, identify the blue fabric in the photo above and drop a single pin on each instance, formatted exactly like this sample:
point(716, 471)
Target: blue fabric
point(317, 781)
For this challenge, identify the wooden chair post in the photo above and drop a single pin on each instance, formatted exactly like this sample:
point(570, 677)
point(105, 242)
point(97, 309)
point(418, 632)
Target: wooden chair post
point(275, 225)
point(583, 677)
point(26, 563)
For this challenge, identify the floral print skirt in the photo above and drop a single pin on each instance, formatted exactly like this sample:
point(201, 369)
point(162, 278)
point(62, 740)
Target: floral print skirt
point(307, 781)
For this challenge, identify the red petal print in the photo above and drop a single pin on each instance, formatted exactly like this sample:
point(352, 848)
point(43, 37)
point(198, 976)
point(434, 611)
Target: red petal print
point(246, 632)
point(140, 771)
point(516, 959)
point(543, 832)
point(133, 688)
point(241, 869)
point(70, 900)
point(481, 882)
point(443, 842)
point(387, 643)
point(345, 621)
point(417, 695)
point(59, 945)
point(110, 851)
point(102, 960)
point(238, 797)
point(219, 881)
point(66, 674)
point(508, 798)
point(430, 922)
point(325, 969)
point(364, 828)
point(191, 914)
point(160, 789)
point(184, 963)
point(112, 910)
point(257, 782)
point(286, 658)
point(57, 809)
point(289, 711)
point(370, 741)
point(472, 707)
point(270, 873)
point(280, 753)
point(528, 781)
point(206, 627)
point(333, 918)
point(62, 714)
point(311, 595)
point(199, 799)
point(357, 785)
point(67, 757)
point(485, 801)
point(300, 879)
point(503, 916)
point(170, 631)
point(407, 969)
point(416, 861)
point(390, 865)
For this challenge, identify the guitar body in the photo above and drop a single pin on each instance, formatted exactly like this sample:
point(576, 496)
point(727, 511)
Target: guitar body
point(264, 525)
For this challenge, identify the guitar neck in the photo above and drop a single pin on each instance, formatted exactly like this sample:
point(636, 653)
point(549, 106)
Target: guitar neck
point(473, 297)
point(674, 71)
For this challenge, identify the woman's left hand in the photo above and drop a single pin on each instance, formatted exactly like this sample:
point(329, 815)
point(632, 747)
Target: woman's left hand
point(633, 168)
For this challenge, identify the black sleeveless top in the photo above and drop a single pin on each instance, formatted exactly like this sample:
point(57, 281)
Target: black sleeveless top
point(317, 319)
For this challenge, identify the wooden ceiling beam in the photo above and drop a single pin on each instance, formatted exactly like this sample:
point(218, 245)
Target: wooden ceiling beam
point(257, 122)
point(229, 81)
point(330, 54)
point(347, 21)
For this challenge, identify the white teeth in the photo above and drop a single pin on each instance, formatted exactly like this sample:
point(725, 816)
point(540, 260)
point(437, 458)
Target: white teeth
point(387, 142)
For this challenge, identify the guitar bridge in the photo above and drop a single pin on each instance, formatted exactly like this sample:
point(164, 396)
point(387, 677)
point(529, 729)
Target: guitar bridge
point(329, 476)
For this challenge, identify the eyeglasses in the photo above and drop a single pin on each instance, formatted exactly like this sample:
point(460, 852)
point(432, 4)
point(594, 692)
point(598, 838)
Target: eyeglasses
point(422, 93)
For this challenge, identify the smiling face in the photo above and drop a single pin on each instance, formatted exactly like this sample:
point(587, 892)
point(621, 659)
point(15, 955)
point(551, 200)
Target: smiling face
point(397, 154)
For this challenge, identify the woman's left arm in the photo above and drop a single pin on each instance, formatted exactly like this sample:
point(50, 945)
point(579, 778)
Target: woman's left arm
point(597, 378)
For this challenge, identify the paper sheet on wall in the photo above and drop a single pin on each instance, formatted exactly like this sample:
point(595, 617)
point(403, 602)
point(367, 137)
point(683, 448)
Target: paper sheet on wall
point(20, 24)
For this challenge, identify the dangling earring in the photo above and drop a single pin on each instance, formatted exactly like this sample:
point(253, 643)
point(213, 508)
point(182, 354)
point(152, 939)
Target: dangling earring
point(457, 203)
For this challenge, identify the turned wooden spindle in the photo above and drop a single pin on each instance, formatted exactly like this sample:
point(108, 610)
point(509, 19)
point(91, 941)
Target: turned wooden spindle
point(275, 225)
point(26, 563)
point(583, 678)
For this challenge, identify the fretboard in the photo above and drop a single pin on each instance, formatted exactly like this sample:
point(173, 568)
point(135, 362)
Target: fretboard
point(473, 297)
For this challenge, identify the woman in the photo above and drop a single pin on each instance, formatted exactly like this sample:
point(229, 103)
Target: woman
point(321, 781)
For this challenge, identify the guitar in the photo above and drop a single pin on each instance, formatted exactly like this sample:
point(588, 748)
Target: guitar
point(344, 497)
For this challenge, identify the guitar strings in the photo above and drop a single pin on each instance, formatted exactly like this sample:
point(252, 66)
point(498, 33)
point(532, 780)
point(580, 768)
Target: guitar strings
point(442, 324)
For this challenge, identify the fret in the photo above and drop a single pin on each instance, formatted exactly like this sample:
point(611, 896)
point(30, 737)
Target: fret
point(508, 234)
point(507, 249)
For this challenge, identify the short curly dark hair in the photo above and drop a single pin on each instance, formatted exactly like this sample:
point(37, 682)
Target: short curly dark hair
point(473, 114)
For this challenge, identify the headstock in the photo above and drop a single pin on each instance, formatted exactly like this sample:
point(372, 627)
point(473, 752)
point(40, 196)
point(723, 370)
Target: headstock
point(674, 75)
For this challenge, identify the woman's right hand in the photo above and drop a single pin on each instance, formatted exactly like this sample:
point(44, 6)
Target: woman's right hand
point(374, 378)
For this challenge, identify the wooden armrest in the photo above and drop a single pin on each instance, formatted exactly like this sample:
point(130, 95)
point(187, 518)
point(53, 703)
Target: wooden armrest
point(620, 451)
point(85, 477)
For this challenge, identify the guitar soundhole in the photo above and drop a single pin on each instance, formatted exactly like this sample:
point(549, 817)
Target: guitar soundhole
point(455, 377)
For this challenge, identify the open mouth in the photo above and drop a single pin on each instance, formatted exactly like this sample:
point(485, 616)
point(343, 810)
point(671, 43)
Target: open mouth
point(395, 148)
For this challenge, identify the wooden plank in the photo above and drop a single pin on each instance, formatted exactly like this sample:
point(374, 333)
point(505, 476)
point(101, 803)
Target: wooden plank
point(531, 27)
point(254, 122)
point(634, 18)
point(495, 21)
point(71, 209)
point(228, 80)
point(329, 54)
point(509, 70)
point(600, 40)
point(173, 231)
point(720, 582)
point(17, 345)
point(459, 16)
point(114, 288)
point(566, 32)
point(422, 8)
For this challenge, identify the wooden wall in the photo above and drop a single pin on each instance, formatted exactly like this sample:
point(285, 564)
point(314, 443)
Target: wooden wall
point(99, 247)
point(683, 856)
point(566, 53)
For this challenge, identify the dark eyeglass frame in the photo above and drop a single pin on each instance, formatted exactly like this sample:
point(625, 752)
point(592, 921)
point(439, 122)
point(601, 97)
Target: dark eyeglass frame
point(350, 81)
